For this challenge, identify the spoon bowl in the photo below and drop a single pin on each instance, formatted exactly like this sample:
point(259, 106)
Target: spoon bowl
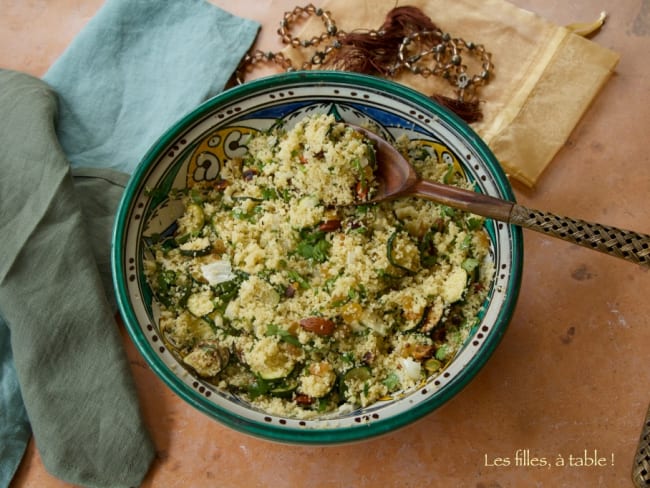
point(398, 179)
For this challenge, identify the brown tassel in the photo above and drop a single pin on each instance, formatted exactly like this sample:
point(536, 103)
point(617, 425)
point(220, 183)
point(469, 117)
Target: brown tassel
point(468, 111)
point(407, 20)
point(376, 52)
point(351, 57)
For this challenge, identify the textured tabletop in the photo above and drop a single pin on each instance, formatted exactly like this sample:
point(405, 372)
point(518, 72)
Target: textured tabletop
point(562, 401)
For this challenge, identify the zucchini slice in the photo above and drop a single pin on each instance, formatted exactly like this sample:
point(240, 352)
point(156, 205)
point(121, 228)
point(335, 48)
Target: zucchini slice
point(284, 388)
point(270, 359)
point(275, 372)
point(432, 365)
point(358, 373)
point(208, 359)
point(415, 324)
point(390, 244)
point(193, 219)
point(200, 304)
point(199, 246)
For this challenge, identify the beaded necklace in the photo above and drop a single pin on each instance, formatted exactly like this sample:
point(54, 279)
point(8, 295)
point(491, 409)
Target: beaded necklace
point(407, 41)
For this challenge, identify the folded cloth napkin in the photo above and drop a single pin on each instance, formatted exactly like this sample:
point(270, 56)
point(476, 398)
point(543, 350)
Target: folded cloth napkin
point(73, 373)
point(545, 76)
point(135, 69)
point(132, 71)
point(14, 424)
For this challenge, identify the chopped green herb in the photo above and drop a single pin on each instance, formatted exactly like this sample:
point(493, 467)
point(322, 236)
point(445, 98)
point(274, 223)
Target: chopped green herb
point(258, 387)
point(313, 245)
point(470, 264)
point(474, 223)
point(392, 382)
point(296, 277)
point(285, 335)
point(428, 250)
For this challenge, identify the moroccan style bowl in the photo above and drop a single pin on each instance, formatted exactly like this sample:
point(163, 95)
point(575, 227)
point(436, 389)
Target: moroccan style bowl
point(193, 150)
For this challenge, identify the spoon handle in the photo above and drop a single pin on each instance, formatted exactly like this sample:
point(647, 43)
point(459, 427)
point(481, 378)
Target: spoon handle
point(623, 244)
point(620, 243)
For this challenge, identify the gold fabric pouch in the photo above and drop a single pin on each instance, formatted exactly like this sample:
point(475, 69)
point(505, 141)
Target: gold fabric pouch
point(545, 76)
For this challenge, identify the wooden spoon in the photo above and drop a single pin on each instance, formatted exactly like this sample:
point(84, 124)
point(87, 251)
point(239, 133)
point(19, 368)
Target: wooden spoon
point(398, 179)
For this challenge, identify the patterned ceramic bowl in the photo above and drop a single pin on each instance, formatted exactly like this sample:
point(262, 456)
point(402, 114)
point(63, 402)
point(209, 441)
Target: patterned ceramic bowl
point(192, 151)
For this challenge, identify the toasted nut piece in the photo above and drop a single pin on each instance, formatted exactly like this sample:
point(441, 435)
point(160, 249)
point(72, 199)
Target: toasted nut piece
point(318, 325)
point(302, 399)
point(361, 191)
point(420, 352)
point(290, 290)
point(221, 185)
point(330, 225)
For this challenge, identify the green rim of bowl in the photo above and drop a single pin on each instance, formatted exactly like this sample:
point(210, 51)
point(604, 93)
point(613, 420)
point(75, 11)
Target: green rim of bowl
point(308, 435)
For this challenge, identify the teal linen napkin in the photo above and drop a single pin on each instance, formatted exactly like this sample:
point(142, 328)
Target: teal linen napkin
point(73, 373)
point(137, 66)
point(100, 191)
point(14, 424)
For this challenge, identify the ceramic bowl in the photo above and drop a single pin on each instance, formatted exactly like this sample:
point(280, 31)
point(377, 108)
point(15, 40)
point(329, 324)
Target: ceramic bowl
point(192, 150)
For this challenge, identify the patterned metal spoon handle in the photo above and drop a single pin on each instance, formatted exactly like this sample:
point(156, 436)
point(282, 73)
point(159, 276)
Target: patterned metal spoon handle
point(624, 244)
point(641, 466)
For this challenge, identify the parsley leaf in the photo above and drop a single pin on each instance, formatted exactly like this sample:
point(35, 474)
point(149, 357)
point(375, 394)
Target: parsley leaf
point(285, 335)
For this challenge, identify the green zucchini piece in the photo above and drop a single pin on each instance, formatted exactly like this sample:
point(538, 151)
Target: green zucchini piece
point(432, 365)
point(271, 360)
point(208, 359)
point(415, 324)
point(165, 286)
point(199, 246)
point(193, 219)
point(359, 373)
point(389, 253)
point(284, 389)
point(200, 304)
point(275, 373)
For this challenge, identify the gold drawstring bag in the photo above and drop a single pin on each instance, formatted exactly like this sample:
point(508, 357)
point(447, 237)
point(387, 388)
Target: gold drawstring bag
point(544, 77)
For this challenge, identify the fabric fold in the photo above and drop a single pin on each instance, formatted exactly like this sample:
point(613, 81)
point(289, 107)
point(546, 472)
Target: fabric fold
point(15, 430)
point(536, 127)
point(99, 192)
point(133, 70)
point(73, 373)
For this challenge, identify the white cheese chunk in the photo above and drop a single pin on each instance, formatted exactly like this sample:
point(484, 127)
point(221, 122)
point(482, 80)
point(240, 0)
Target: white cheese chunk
point(218, 272)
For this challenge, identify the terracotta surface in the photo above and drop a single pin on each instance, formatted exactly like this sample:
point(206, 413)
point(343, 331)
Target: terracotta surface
point(571, 375)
